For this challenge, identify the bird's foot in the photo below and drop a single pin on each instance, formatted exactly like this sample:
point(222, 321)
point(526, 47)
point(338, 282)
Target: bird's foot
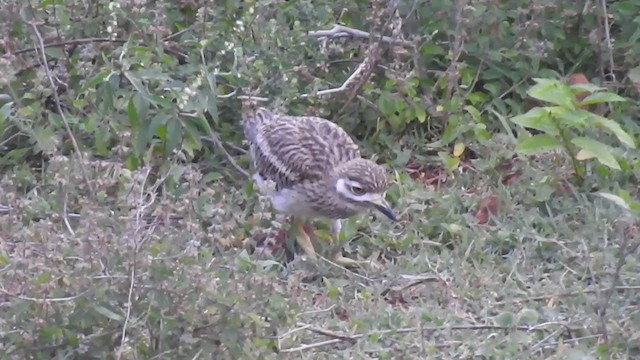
point(305, 241)
point(347, 262)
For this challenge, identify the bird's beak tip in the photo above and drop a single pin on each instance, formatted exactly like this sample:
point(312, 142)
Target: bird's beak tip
point(385, 209)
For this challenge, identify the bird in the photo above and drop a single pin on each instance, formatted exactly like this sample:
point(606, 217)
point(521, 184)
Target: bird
point(317, 170)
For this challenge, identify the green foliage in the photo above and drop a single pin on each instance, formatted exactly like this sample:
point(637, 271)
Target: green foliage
point(562, 124)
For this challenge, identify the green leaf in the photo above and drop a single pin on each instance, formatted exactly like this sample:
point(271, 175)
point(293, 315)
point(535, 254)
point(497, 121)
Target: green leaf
point(615, 128)
point(528, 316)
point(601, 151)
point(615, 199)
point(538, 118)
point(173, 135)
point(421, 114)
point(153, 128)
point(144, 92)
point(212, 103)
point(46, 3)
point(132, 115)
point(481, 133)
point(450, 162)
point(602, 97)
point(576, 354)
point(5, 111)
point(131, 162)
point(574, 118)
point(475, 114)
point(54, 52)
point(537, 143)
point(553, 91)
point(137, 84)
point(108, 313)
point(634, 75)
point(506, 319)
point(42, 278)
point(387, 104)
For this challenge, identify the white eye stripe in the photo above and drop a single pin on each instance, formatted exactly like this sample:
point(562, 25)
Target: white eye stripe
point(344, 188)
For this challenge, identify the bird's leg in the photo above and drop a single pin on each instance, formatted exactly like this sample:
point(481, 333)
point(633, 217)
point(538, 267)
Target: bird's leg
point(262, 185)
point(336, 227)
point(297, 225)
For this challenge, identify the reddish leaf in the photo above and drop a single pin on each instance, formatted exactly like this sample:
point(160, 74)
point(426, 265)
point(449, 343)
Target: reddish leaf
point(488, 207)
point(395, 298)
point(341, 313)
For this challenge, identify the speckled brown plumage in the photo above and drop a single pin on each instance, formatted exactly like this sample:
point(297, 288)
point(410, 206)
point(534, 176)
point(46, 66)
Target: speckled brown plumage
point(305, 156)
point(293, 149)
point(317, 170)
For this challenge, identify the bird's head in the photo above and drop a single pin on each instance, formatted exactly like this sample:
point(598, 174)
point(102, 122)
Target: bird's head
point(364, 183)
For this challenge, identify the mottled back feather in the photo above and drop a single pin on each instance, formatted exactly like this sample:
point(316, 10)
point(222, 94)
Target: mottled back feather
point(291, 150)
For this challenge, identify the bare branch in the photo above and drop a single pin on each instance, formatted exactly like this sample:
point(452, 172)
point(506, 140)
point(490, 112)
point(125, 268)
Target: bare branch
point(363, 72)
point(311, 346)
point(609, 43)
point(347, 83)
point(339, 31)
point(45, 300)
point(82, 41)
point(254, 98)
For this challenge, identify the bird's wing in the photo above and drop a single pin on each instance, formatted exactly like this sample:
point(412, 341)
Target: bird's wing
point(292, 149)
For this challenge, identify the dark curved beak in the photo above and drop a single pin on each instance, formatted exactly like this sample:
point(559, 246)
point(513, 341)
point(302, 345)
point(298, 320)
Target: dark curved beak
point(383, 206)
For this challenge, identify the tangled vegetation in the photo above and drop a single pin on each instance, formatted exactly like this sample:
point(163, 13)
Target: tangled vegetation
point(129, 228)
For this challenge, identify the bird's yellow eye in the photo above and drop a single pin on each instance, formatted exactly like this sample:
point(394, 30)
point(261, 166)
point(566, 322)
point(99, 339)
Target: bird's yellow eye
point(357, 190)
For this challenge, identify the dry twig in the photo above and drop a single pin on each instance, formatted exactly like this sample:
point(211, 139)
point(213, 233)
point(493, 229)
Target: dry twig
point(45, 300)
point(363, 72)
point(339, 31)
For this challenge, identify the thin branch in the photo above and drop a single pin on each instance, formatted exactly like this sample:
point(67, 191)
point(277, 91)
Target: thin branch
point(254, 98)
point(339, 31)
point(331, 334)
point(346, 85)
point(54, 90)
point(338, 337)
point(99, 40)
point(128, 305)
point(607, 35)
point(217, 143)
point(45, 300)
point(363, 71)
point(311, 346)
point(72, 42)
point(372, 56)
point(65, 216)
